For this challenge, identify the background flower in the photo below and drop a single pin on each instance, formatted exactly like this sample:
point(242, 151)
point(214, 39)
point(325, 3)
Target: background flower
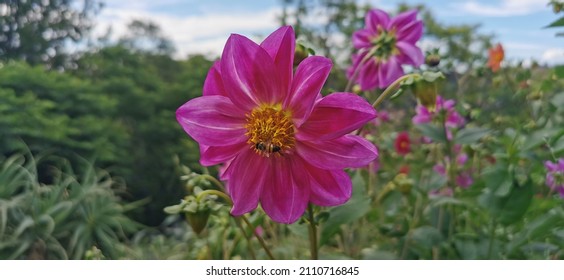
point(555, 175)
point(496, 55)
point(402, 143)
point(385, 44)
point(281, 143)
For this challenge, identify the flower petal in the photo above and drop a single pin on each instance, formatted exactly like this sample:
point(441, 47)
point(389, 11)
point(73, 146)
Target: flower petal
point(213, 85)
point(308, 81)
point(339, 153)
point(280, 45)
point(286, 190)
point(368, 76)
point(375, 18)
point(249, 74)
point(336, 115)
point(410, 54)
point(411, 32)
point(389, 71)
point(212, 121)
point(403, 19)
point(361, 39)
point(329, 187)
point(247, 176)
point(212, 155)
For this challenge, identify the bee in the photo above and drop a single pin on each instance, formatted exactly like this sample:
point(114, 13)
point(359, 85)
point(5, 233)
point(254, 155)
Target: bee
point(267, 147)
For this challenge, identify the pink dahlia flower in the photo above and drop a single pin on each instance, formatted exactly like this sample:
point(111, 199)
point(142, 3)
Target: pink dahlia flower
point(384, 45)
point(555, 175)
point(280, 142)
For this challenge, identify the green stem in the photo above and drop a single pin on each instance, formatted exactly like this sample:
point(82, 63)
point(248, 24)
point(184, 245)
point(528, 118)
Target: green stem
point(228, 199)
point(213, 192)
point(259, 238)
point(212, 179)
point(492, 238)
point(391, 88)
point(312, 233)
point(250, 246)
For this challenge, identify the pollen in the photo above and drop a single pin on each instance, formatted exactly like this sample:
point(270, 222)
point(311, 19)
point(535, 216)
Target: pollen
point(270, 130)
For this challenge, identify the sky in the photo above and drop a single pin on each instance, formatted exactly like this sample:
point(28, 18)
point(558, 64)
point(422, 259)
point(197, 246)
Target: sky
point(202, 27)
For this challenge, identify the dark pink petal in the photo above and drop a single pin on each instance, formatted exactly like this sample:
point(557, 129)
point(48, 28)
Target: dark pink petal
point(212, 121)
point(286, 189)
point(551, 167)
point(280, 46)
point(213, 84)
point(389, 72)
point(248, 174)
point(361, 39)
point(403, 19)
point(411, 32)
point(410, 54)
point(329, 187)
point(423, 115)
point(375, 18)
point(339, 153)
point(212, 155)
point(368, 77)
point(308, 81)
point(249, 74)
point(336, 115)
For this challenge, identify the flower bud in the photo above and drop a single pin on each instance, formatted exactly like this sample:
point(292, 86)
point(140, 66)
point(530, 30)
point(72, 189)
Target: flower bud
point(433, 59)
point(198, 220)
point(300, 54)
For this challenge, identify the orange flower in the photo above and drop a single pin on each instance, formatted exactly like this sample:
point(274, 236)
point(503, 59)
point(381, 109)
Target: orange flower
point(496, 55)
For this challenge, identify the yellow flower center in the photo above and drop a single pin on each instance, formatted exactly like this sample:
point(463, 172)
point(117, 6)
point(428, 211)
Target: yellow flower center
point(270, 130)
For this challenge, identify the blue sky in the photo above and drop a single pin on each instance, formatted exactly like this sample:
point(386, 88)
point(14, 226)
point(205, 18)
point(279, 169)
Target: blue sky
point(203, 26)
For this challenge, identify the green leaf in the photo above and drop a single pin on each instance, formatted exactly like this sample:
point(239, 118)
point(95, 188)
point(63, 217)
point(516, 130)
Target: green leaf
point(426, 236)
point(511, 208)
point(557, 23)
point(539, 228)
point(470, 135)
point(559, 71)
point(432, 131)
point(353, 210)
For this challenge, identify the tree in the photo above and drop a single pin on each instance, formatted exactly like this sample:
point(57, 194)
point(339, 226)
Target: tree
point(36, 30)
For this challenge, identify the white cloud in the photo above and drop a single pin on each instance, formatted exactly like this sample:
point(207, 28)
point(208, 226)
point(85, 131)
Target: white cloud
point(553, 56)
point(200, 33)
point(504, 8)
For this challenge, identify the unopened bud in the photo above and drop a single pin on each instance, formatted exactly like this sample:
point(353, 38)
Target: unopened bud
point(433, 60)
point(198, 220)
point(300, 54)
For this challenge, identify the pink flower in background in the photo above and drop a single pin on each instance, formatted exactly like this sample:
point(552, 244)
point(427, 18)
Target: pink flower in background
point(281, 143)
point(453, 119)
point(385, 44)
point(464, 177)
point(555, 175)
point(381, 117)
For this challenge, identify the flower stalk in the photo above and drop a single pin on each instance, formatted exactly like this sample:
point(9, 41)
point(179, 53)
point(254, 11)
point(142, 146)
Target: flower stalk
point(312, 233)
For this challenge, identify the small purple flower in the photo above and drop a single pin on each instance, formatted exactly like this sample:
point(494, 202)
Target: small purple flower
point(555, 175)
point(385, 44)
point(464, 180)
point(453, 119)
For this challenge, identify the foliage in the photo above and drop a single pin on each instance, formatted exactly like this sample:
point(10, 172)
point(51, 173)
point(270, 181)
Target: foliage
point(61, 220)
point(36, 31)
